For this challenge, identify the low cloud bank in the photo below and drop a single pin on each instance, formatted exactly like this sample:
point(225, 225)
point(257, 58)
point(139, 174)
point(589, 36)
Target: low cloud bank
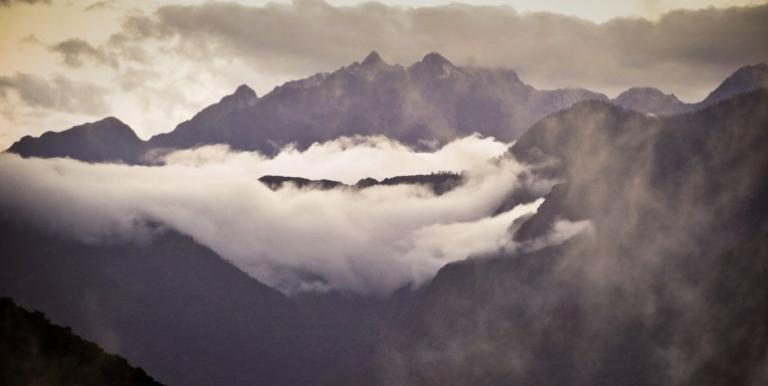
point(348, 159)
point(369, 241)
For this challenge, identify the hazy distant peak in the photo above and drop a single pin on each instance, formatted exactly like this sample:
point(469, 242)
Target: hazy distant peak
point(649, 92)
point(109, 124)
point(111, 120)
point(243, 89)
point(372, 59)
point(434, 64)
point(745, 79)
point(650, 100)
point(243, 93)
point(242, 97)
point(752, 69)
point(435, 59)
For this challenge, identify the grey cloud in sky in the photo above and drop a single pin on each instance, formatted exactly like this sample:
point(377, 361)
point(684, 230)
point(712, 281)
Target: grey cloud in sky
point(7, 3)
point(685, 51)
point(75, 52)
point(99, 6)
point(58, 93)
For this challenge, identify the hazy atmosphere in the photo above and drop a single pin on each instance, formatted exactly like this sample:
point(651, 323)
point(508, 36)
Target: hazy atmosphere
point(341, 192)
point(164, 60)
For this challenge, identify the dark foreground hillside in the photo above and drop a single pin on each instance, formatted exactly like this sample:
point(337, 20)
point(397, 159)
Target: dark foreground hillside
point(180, 311)
point(35, 352)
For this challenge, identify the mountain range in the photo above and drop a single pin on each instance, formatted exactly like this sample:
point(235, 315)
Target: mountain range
point(424, 105)
point(667, 284)
point(676, 264)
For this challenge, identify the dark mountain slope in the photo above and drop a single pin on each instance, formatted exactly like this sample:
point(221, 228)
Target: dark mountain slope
point(167, 299)
point(35, 352)
point(201, 129)
point(743, 80)
point(670, 286)
point(107, 140)
point(176, 309)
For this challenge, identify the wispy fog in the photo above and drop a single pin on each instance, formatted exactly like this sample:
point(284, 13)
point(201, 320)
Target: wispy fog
point(349, 159)
point(370, 241)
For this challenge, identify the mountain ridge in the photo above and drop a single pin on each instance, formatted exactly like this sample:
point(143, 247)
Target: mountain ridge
point(34, 351)
point(105, 140)
point(429, 101)
point(654, 101)
point(438, 183)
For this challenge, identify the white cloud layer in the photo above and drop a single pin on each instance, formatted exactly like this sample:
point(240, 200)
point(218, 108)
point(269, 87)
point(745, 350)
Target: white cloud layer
point(370, 241)
point(349, 159)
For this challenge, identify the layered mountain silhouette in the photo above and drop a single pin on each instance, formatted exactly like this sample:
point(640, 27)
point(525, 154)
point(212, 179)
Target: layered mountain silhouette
point(426, 104)
point(653, 101)
point(35, 352)
point(667, 286)
point(431, 101)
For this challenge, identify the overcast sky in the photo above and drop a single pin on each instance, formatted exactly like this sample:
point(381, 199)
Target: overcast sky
point(154, 64)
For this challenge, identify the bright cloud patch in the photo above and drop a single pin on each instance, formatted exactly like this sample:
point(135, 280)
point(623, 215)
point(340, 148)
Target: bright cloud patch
point(371, 240)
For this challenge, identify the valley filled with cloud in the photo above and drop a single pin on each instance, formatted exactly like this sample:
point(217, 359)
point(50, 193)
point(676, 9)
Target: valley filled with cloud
point(342, 192)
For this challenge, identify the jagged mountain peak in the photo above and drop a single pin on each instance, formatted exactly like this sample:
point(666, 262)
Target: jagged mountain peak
point(433, 99)
point(372, 59)
point(243, 94)
point(435, 59)
point(434, 64)
point(371, 69)
point(245, 90)
point(242, 98)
